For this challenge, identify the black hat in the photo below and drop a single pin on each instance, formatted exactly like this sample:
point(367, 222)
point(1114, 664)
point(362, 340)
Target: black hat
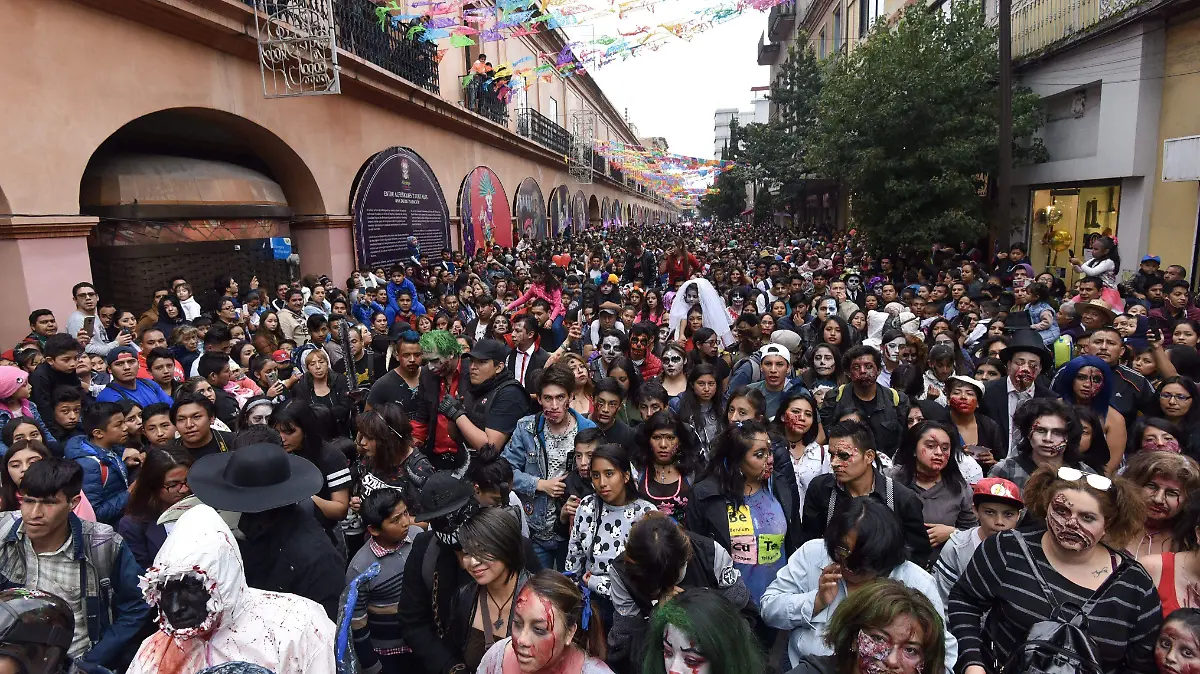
point(254, 479)
point(489, 349)
point(442, 494)
point(1028, 340)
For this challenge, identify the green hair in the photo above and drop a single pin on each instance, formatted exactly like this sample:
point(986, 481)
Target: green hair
point(441, 342)
point(876, 605)
point(716, 627)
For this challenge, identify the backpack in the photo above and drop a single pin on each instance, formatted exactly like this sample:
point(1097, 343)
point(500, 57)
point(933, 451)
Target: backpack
point(755, 362)
point(1056, 645)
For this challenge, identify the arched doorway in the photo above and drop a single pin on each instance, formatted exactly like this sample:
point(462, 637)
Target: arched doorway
point(192, 193)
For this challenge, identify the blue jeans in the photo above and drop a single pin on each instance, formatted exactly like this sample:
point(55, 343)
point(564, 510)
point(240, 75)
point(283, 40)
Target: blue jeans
point(551, 554)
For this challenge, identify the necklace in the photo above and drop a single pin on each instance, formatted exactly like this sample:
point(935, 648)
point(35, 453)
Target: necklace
point(663, 473)
point(499, 609)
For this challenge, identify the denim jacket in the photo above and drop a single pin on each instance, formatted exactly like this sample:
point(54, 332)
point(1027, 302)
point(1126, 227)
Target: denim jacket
point(113, 601)
point(525, 452)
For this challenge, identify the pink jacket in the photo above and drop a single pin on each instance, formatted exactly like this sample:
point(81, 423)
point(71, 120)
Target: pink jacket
point(539, 291)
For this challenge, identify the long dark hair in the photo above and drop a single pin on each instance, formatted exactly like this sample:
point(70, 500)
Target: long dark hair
point(389, 427)
point(8, 488)
point(631, 371)
point(731, 447)
point(687, 459)
point(809, 375)
point(697, 357)
point(297, 413)
point(618, 456)
point(144, 503)
point(798, 394)
point(689, 404)
point(905, 459)
point(1097, 454)
point(655, 555)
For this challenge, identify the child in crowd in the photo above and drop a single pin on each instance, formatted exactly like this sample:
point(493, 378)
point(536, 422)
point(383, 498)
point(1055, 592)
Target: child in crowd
point(579, 482)
point(378, 641)
point(998, 506)
point(492, 478)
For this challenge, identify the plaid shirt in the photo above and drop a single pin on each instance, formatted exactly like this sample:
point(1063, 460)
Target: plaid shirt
point(57, 572)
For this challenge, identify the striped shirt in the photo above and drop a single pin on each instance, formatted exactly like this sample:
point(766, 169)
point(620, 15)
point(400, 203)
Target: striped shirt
point(1124, 621)
point(375, 624)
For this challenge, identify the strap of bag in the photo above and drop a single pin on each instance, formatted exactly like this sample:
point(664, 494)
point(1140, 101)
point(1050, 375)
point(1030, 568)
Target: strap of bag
point(890, 493)
point(1037, 574)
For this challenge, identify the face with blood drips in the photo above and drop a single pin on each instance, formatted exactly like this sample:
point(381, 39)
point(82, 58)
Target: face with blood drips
point(1177, 650)
point(680, 655)
point(1074, 520)
point(539, 633)
point(894, 649)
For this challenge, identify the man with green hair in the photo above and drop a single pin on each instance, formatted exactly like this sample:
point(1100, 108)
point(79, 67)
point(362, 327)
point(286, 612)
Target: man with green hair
point(461, 409)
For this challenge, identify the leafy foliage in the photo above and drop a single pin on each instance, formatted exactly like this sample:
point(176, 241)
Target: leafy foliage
point(909, 122)
point(728, 202)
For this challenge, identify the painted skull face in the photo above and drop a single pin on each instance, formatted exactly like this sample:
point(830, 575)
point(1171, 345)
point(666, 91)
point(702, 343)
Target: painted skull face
point(664, 333)
point(692, 296)
point(854, 283)
point(892, 349)
point(823, 362)
point(610, 348)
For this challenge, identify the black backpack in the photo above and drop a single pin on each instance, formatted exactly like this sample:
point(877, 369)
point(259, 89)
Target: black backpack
point(1057, 645)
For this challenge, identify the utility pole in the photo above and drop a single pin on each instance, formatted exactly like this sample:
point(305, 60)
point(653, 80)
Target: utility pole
point(1004, 172)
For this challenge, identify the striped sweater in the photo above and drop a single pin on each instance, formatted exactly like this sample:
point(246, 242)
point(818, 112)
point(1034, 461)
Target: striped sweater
point(1124, 621)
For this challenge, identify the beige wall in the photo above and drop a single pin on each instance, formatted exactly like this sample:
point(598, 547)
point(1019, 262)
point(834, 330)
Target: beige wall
point(65, 101)
point(1173, 214)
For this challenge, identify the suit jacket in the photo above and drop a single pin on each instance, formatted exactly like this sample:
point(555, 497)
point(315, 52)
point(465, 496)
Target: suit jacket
point(995, 407)
point(537, 362)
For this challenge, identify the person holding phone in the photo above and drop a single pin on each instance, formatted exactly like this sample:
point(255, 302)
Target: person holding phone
point(84, 323)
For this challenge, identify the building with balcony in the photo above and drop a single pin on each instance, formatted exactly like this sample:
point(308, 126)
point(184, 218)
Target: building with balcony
point(139, 146)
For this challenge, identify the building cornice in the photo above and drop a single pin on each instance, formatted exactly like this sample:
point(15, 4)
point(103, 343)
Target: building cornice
point(46, 226)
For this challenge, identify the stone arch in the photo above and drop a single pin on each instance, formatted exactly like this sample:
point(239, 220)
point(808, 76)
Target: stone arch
point(594, 214)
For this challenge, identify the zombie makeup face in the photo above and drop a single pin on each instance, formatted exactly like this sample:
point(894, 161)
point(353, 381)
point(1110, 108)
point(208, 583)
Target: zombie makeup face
point(437, 363)
point(1023, 369)
point(610, 348)
point(1177, 650)
point(1164, 498)
point(1048, 436)
point(539, 633)
point(759, 462)
point(680, 655)
point(894, 649)
point(1074, 520)
point(184, 602)
point(798, 417)
point(892, 349)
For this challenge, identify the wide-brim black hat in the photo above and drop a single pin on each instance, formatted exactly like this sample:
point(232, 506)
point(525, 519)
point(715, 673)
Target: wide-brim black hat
point(443, 494)
point(254, 479)
point(1029, 341)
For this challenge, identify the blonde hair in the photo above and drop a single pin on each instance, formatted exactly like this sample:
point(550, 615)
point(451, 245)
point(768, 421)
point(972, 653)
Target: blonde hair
point(183, 332)
point(316, 352)
point(1145, 466)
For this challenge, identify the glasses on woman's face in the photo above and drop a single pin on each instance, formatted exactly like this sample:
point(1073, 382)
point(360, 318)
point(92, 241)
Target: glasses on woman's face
point(175, 487)
point(1175, 397)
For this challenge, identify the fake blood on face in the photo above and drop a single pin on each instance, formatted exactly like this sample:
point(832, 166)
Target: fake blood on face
point(1074, 521)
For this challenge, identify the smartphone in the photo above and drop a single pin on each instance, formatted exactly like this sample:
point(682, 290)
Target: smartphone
point(89, 325)
point(273, 377)
point(1072, 252)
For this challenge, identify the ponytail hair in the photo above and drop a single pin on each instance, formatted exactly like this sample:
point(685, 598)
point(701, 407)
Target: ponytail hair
point(568, 600)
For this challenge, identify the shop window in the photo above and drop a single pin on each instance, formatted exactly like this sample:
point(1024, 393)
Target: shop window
point(1070, 218)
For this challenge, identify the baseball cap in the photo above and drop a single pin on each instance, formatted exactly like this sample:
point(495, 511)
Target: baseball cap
point(281, 356)
point(115, 354)
point(609, 310)
point(775, 350)
point(1152, 258)
point(489, 349)
point(787, 339)
point(997, 489)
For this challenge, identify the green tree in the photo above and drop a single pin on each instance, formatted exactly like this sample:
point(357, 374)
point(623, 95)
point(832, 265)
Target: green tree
point(908, 122)
point(774, 154)
point(729, 200)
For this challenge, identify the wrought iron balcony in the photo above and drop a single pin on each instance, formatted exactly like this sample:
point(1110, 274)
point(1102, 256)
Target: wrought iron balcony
point(1039, 24)
point(482, 97)
point(768, 52)
point(540, 128)
point(781, 20)
point(618, 175)
point(598, 162)
point(390, 48)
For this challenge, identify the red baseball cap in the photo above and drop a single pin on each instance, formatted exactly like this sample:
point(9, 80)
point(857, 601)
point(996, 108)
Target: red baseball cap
point(997, 489)
point(281, 356)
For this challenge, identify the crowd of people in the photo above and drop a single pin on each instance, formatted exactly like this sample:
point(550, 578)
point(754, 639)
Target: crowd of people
point(715, 450)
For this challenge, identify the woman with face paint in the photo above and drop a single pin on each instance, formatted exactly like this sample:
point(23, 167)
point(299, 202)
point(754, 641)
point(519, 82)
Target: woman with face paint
point(1165, 479)
point(929, 463)
point(799, 425)
point(700, 292)
point(550, 634)
point(1088, 381)
point(1176, 573)
point(742, 505)
point(666, 463)
point(884, 628)
point(864, 542)
point(979, 435)
point(824, 371)
point(699, 631)
point(1078, 558)
point(1177, 650)
point(674, 378)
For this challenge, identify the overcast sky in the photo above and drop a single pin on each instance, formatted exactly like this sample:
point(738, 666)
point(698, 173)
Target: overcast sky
point(674, 91)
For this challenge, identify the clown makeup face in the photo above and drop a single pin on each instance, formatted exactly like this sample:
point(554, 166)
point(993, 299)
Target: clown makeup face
point(437, 363)
point(610, 348)
point(539, 632)
point(895, 648)
point(824, 362)
point(1164, 498)
point(691, 296)
point(1074, 520)
point(1177, 650)
point(680, 655)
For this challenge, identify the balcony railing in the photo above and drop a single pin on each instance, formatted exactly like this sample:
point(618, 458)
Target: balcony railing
point(618, 175)
point(481, 97)
point(359, 32)
point(767, 51)
point(598, 162)
point(540, 128)
point(1038, 24)
point(781, 19)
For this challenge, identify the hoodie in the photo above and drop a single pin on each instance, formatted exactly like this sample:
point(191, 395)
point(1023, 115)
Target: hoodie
point(282, 632)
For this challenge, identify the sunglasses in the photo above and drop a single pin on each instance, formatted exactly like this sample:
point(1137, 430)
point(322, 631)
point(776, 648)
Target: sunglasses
point(1075, 475)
